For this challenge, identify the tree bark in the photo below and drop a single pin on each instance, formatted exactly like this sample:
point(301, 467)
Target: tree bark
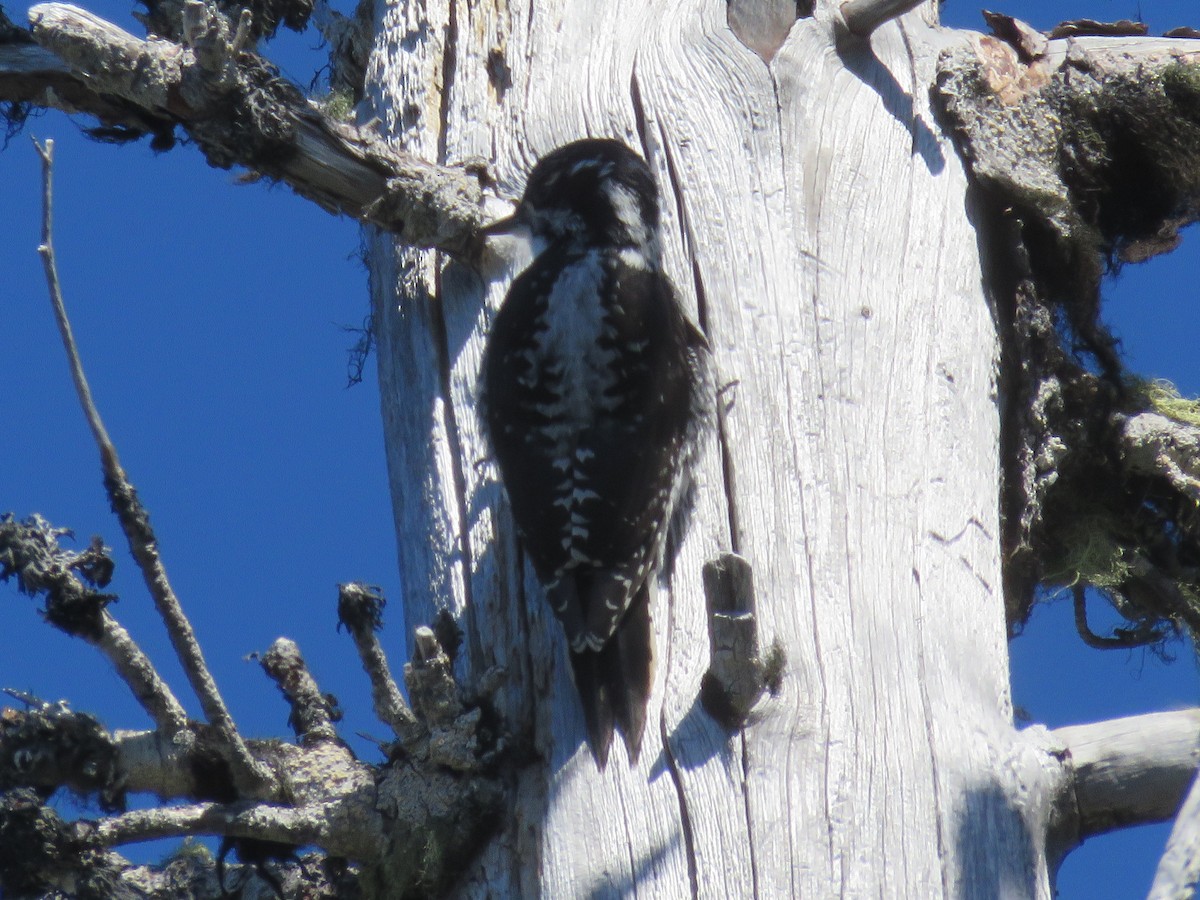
point(818, 229)
point(826, 234)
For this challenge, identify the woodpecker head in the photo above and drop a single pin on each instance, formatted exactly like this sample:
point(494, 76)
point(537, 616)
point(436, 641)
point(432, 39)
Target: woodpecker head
point(590, 193)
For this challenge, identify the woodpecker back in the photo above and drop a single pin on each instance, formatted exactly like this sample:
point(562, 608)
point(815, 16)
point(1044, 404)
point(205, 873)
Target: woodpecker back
point(596, 390)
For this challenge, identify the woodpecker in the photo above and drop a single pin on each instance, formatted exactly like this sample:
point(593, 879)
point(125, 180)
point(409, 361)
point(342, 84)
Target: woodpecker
point(596, 391)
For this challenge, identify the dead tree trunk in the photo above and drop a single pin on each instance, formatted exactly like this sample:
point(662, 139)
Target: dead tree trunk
point(820, 232)
point(893, 237)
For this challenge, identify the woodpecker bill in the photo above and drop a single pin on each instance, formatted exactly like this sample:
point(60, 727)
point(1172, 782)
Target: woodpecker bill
point(596, 390)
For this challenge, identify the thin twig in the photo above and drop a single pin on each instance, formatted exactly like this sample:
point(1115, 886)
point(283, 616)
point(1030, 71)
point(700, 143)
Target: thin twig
point(1123, 640)
point(108, 455)
point(360, 609)
point(250, 777)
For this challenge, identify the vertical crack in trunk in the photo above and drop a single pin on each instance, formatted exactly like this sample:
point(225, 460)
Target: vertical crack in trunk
point(684, 816)
point(749, 818)
point(701, 313)
point(450, 419)
point(728, 474)
point(445, 363)
point(672, 763)
point(449, 69)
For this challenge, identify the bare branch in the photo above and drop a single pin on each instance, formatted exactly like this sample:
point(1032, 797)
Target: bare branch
point(1127, 771)
point(360, 609)
point(1143, 633)
point(249, 116)
point(430, 679)
point(411, 824)
point(70, 584)
point(32, 75)
point(46, 250)
point(260, 821)
point(454, 733)
point(137, 671)
point(312, 712)
point(252, 779)
point(1179, 869)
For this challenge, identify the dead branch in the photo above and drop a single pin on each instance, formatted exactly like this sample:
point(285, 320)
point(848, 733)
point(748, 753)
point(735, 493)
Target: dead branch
point(135, 522)
point(864, 16)
point(313, 713)
point(407, 823)
point(1101, 776)
point(1131, 770)
point(71, 584)
point(240, 112)
point(1179, 868)
point(406, 826)
point(360, 609)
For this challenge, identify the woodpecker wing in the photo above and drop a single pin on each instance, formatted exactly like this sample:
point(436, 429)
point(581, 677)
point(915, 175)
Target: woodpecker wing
point(594, 384)
point(591, 481)
point(634, 447)
point(595, 390)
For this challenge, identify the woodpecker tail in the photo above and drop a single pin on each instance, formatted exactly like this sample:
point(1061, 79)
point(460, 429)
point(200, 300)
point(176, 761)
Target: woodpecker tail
point(614, 682)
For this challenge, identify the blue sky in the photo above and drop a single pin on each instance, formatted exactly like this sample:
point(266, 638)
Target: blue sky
point(210, 318)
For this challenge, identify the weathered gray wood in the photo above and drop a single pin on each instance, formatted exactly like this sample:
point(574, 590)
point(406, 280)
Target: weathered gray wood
point(1134, 769)
point(818, 227)
point(1108, 775)
point(1179, 869)
point(864, 16)
point(817, 224)
point(88, 64)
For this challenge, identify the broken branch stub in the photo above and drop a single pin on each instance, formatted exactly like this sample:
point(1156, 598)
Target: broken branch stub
point(737, 674)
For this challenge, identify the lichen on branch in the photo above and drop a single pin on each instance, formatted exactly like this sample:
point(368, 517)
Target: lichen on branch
point(1087, 151)
point(200, 73)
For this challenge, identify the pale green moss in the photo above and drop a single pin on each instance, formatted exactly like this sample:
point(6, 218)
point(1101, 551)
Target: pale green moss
point(1164, 398)
point(338, 105)
point(1181, 82)
point(1090, 555)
